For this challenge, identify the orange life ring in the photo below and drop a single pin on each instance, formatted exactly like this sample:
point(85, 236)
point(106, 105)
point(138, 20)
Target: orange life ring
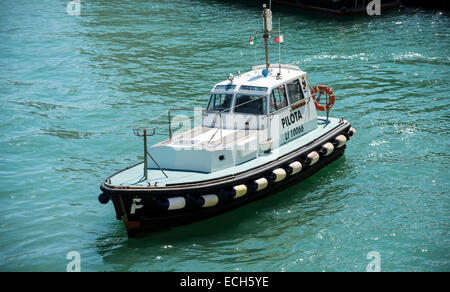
point(326, 90)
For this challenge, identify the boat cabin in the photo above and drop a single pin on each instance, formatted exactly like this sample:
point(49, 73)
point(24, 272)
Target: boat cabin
point(247, 116)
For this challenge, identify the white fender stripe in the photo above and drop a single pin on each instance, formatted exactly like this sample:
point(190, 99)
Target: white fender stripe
point(341, 140)
point(240, 190)
point(296, 167)
point(210, 200)
point(262, 184)
point(314, 157)
point(176, 203)
point(280, 174)
point(353, 130)
point(329, 147)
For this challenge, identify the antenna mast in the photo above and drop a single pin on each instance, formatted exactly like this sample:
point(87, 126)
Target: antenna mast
point(267, 15)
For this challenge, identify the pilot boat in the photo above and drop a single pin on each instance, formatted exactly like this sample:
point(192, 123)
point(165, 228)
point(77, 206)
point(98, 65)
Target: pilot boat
point(259, 133)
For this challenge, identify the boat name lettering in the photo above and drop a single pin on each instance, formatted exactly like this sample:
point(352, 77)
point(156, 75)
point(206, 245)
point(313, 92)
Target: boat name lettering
point(291, 119)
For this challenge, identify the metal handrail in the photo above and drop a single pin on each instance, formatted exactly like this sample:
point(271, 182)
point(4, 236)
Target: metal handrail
point(219, 113)
point(161, 114)
point(179, 109)
point(144, 134)
point(151, 131)
point(144, 131)
point(221, 128)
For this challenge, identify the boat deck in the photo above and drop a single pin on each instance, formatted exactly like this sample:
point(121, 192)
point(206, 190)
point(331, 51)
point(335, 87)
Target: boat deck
point(133, 176)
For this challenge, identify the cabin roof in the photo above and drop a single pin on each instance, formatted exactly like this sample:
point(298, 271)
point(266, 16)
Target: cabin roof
point(256, 78)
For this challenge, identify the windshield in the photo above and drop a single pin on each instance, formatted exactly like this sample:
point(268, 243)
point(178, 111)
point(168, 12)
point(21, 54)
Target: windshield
point(220, 102)
point(250, 104)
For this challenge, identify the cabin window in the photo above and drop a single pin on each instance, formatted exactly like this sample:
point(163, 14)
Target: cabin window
point(248, 104)
point(253, 88)
point(278, 98)
point(220, 102)
point(295, 91)
point(225, 87)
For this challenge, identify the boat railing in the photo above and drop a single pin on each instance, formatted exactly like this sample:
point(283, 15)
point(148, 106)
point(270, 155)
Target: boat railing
point(142, 132)
point(146, 131)
point(191, 119)
point(218, 120)
point(168, 124)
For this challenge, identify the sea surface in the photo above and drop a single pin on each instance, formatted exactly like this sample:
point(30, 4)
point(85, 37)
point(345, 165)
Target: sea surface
point(72, 87)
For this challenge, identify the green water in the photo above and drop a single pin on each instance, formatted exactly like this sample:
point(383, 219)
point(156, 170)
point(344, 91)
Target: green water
point(73, 87)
